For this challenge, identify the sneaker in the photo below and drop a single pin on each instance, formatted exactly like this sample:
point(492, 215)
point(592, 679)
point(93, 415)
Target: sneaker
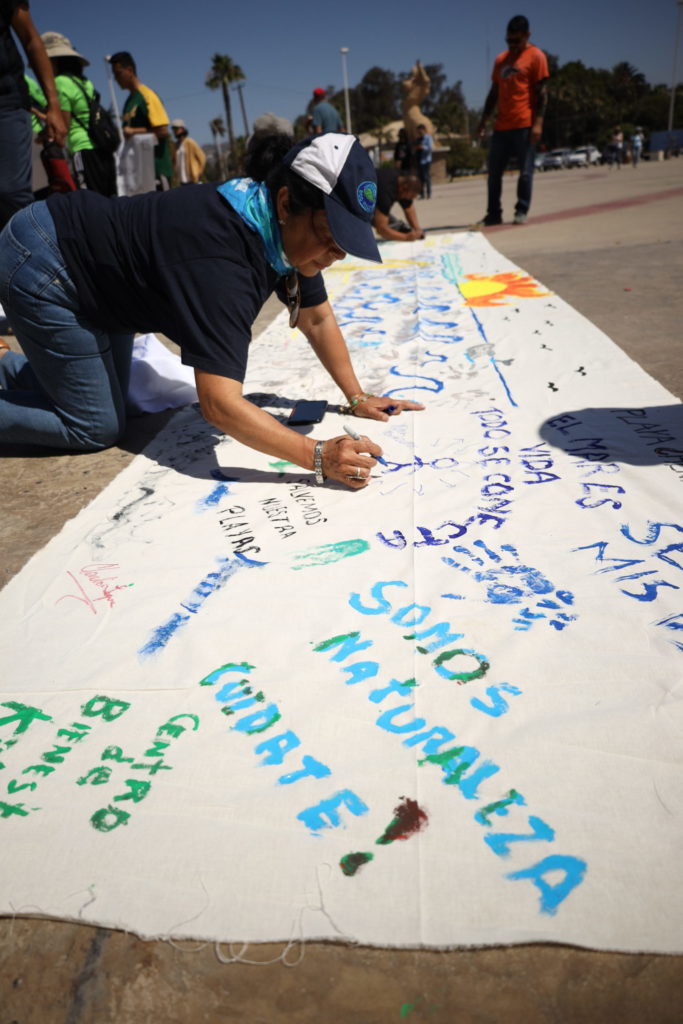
point(519, 218)
point(489, 222)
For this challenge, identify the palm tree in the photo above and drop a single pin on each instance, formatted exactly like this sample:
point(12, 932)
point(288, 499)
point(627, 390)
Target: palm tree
point(218, 129)
point(223, 72)
point(628, 87)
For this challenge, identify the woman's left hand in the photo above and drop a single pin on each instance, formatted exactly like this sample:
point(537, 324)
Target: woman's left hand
point(380, 407)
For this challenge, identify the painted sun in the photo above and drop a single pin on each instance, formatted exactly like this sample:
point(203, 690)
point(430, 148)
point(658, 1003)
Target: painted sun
point(495, 289)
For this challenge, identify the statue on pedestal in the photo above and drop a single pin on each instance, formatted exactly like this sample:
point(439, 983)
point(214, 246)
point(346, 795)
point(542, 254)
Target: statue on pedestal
point(414, 91)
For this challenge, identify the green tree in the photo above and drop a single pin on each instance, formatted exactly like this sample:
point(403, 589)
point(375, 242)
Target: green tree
point(218, 131)
point(628, 88)
point(375, 99)
point(579, 105)
point(463, 157)
point(450, 114)
point(222, 74)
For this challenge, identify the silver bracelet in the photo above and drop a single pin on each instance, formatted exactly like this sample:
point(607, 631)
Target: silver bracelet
point(318, 462)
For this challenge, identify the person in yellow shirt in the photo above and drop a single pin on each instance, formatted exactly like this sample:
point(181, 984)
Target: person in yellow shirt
point(190, 159)
point(144, 113)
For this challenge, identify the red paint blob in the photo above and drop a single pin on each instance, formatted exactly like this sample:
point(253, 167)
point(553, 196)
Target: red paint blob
point(409, 818)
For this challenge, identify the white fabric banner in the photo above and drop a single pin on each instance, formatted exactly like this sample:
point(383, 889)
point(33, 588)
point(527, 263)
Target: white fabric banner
point(444, 710)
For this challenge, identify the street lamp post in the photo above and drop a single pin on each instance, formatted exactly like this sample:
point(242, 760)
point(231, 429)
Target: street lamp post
point(115, 106)
point(679, 4)
point(344, 50)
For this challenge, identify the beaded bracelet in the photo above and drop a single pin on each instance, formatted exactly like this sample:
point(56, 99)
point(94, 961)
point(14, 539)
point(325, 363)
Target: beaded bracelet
point(318, 462)
point(358, 400)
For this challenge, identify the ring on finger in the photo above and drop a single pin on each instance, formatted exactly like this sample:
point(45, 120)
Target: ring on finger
point(359, 473)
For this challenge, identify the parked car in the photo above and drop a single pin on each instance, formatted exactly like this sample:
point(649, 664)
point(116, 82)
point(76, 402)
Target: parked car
point(577, 158)
point(584, 156)
point(556, 159)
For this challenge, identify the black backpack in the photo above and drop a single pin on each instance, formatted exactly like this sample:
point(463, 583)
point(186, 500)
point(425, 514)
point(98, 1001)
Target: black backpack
point(101, 127)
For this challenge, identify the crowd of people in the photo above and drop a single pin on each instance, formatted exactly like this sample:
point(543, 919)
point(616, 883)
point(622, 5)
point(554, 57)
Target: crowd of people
point(55, 113)
point(83, 270)
point(196, 263)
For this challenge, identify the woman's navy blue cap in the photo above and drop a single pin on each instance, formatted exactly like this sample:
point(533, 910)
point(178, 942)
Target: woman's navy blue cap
point(338, 165)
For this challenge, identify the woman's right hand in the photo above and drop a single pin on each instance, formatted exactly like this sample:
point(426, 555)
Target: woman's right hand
point(350, 462)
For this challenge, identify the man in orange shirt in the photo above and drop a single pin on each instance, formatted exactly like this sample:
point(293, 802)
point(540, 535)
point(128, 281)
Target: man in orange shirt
point(519, 91)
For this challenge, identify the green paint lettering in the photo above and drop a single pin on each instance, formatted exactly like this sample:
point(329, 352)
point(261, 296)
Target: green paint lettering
point(137, 790)
point(499, 807)
point(461, 677)
point(55, 756)
point(24, 715)
point(328, 553)
point(157, 749)
point(347, 642)
point(7, 810)
point(175, 730)
point(108, 818)
point(74, 735)
point(231, 666)
point(95, 777)
point(13, 786)
point(105, 707)
point(38, 769)
point(115, 754)
point(156, 766)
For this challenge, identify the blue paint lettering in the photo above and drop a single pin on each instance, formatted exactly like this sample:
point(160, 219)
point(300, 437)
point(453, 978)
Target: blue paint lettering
point(326, 813)
point(573, 869)
point(500, 841)
point(312, 769)
point(277, 748)
point(387, 720)
point(498, 706)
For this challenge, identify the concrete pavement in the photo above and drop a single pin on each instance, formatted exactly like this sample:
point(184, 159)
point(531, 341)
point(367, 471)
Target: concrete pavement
point(611, 244)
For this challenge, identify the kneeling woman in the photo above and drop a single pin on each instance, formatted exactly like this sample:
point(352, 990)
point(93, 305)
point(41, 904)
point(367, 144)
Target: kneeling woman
point(81, 274)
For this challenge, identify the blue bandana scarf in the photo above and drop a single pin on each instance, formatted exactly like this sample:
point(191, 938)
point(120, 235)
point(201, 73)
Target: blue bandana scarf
point(251, 200)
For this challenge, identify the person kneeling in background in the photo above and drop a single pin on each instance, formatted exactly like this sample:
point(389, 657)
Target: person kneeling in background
point(395, 187)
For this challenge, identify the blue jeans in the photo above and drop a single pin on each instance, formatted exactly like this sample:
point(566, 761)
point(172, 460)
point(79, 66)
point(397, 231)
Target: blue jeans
point(515, 142)
point(425, 174)
point(16, 162)
point(69, 388)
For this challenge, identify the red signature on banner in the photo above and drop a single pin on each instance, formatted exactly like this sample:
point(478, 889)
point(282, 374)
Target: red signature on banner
point(96, 587)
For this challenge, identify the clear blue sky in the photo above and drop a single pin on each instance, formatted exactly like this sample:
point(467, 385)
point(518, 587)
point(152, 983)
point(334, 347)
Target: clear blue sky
point(287, 48)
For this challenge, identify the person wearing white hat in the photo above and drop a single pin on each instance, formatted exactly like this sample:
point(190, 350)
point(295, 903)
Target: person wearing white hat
point(93, 168)
point(16, 135)
point(195, 264)
point(190, 159)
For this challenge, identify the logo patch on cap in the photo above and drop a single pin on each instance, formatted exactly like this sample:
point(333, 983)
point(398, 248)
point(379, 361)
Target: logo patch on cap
point(367, 195)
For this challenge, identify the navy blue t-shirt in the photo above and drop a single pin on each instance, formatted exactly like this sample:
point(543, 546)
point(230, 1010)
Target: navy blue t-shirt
point(181, 262)
point(387, 190)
